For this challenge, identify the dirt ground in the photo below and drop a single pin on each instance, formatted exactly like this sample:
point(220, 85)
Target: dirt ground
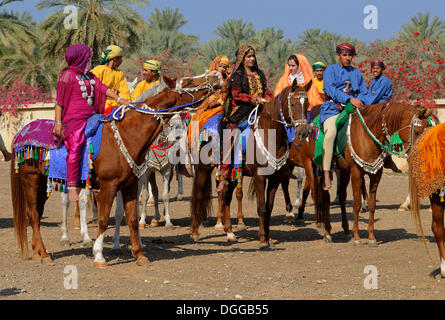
point(301, 265)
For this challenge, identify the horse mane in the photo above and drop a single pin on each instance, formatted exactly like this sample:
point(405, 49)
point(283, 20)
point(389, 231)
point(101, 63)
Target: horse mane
point(392, 112)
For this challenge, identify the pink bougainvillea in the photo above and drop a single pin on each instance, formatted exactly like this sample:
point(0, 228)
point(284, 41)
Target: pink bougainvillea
point(17, 94)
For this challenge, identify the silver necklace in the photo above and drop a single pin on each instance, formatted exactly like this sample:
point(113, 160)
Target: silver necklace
point(84, 90)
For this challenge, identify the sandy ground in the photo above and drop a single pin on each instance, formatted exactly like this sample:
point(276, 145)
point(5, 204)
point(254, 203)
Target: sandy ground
point(301, 265)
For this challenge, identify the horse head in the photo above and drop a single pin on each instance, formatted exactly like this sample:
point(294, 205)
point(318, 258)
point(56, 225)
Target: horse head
point(297, 104)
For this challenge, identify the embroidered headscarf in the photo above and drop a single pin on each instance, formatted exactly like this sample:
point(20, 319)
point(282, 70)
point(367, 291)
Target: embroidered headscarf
point(78, 58)
point(109, 53)
point(153, 65)
point(222, 59)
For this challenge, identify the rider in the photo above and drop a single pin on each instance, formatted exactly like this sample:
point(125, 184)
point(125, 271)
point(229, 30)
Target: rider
point(111, 76)
point(80, 94)
point(297, 67)
point(380, 89)
point(319, 68)
point(152, 72)
point(246, 88)
point(342, 84)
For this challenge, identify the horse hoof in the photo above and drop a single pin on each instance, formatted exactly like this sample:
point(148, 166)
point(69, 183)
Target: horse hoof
point(327, 238)
point(264, 246)
point(169, 226)
point(241, 227)
point(150, 203)
point(356, 242)
point(143, 262)
point(154, 223)
point(65, 243)
point(100, 264)
point(195, 237)
point(402, 208)
point(364, 209)
point(372, 243)
point(47, 261)
point(231, 238)
point(141, 226)
point(219, 227)
point(179, 197)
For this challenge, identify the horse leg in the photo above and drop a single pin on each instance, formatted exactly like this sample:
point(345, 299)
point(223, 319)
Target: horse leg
point(285, 186)
point(167, 177)
point(118, 216)
point(308, 187)
point(405, 205)
point(180, 187)
point(83, 203)
point(155, 191)
point(77, 217)
point(129, 195)
point(260, 186)
point(239, 199)
point(438, 228)
point(356, 180)
point(105, 200)
point(219, 225)
point(65, 206)
point(326, 200)
point(344, 176)
point(201, 196)
point(373, 185)
point(143, 195)
point(272, 188)
point(365, 197)
point(150, 201)
point(94, 205)
point(227, 199)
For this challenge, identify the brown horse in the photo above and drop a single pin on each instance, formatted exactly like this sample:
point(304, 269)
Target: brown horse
point(287, 109)
point(112, 170)
point(363, 155)
point(427, 181)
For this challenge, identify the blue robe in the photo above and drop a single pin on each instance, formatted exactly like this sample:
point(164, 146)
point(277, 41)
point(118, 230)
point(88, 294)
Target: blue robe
point(379, 90)
point(334, 78)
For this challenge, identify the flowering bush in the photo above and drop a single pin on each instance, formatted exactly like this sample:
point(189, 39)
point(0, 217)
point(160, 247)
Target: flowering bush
point(415, 68)
point(17, 94)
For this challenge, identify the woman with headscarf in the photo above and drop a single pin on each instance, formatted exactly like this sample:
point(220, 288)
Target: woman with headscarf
point(107, 72)
point(80, 94)
point(246, 89)
point(298, 68)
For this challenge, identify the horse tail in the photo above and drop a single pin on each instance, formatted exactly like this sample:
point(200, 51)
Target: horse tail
point(19, 210)
point(251, 191)
point(318, 195)
point(415, 203)
point(201, 196)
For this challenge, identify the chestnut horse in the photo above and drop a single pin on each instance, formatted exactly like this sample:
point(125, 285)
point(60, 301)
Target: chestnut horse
point(364, 154)
point(284, 111)
point(113, 171)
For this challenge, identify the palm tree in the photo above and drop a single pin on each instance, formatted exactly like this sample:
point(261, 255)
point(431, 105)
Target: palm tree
point(265, 38)
point(426, 29)
point(15, 29)
point(101, 23)
point(235, 31)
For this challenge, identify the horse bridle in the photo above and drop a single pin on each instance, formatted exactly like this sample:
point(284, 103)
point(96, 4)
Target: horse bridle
point(415, 122)
point(295, 123)
point(179, 89)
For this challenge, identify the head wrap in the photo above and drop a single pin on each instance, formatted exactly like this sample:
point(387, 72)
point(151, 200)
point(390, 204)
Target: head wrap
point(318, 65)
point(241, 53)
point(379, 63)
point(109, 53)
point(78, 57)
point(346, 48)
point(153, 65)
point(222, 59)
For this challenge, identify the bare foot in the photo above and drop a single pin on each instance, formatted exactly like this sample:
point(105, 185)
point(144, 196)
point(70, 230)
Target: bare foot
point(327, 180)
point(221, 185)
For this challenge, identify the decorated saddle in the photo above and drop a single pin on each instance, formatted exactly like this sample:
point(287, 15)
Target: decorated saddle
point(36, 141)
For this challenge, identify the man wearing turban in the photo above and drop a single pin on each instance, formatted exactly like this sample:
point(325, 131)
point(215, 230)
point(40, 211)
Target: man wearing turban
point(319, 68)
point(151, 70)
point(380, 89)
point(342, 83)
point(107, 72)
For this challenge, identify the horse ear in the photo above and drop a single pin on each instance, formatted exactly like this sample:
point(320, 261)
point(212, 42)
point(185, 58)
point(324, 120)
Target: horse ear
point(294, 84)
point(425, 113)
point(308, 86)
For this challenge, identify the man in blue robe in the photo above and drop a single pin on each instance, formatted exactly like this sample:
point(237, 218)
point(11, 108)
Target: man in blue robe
point(380, 89)
point(342, 83)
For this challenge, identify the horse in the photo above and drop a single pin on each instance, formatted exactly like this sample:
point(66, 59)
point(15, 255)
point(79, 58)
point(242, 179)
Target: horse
point(369, 129)
point(427, 179)
point(285, 111)
point(117, 167)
